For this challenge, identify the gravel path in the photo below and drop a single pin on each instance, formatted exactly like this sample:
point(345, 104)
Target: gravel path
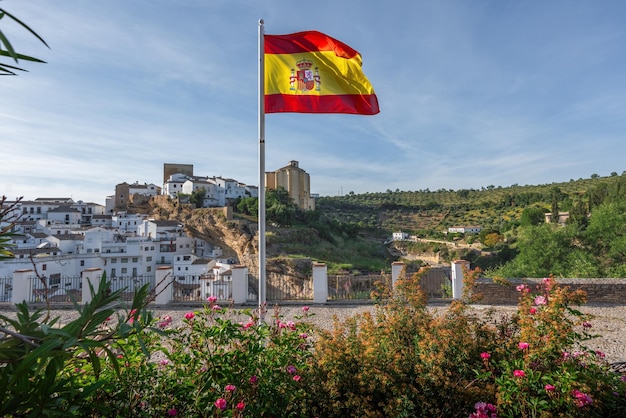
point(609, 321)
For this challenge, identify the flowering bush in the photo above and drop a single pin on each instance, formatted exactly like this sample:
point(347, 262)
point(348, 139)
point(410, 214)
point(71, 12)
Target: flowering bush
point(406, 359)
point(219, 362)
point(544, 368)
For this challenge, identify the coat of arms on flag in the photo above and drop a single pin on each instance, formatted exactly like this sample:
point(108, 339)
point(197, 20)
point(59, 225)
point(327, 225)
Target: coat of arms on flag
point(306, 79)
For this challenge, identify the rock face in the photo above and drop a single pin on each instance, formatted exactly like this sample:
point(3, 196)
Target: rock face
point(237, 238)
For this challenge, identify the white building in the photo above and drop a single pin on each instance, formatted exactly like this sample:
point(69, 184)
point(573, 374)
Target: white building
point(400, 236)
point(464, 229)
point(219, 191)
point(174, 184)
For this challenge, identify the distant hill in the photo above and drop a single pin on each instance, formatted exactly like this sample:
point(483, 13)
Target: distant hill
point(349, 232)
point(427, 212)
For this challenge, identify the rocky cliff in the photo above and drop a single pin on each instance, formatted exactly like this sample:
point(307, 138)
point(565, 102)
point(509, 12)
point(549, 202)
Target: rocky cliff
point(236, 236)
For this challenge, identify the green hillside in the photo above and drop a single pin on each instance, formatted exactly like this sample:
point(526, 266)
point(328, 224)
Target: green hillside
point(429, 212)
point(351, 232)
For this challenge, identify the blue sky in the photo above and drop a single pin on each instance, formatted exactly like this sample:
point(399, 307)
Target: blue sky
point(472, 93)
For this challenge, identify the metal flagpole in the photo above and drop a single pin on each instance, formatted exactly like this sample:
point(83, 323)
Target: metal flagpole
point(261, 169)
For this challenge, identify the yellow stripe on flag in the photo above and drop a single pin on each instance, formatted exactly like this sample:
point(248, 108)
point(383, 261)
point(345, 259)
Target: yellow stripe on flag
point(330, 74)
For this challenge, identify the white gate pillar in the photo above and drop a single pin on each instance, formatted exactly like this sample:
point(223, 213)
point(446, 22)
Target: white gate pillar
point(239, 284)
point(93, 276)
point(164, 288)
point(396, 270)
point(320, 283)
point(457, 277)
point(22, 285)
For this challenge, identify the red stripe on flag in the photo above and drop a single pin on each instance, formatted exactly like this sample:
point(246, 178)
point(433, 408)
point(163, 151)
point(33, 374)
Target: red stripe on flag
point(341, 103)
point(309, 41)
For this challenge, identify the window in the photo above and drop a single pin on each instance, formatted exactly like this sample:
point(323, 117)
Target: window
point(149, 258)
point(112, 272)
point(124, 259)
point(113, 260)
point(135, 260)
point(82, 263)
point(44, 267)
point(124, 270)
point(148, 269)
point(55, 279)
point(134, 271)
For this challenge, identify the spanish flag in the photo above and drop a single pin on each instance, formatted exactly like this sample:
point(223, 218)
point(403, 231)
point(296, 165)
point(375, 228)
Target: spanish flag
point(310, 72)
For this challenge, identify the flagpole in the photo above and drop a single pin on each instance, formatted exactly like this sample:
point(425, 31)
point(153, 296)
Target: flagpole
point(261, 199)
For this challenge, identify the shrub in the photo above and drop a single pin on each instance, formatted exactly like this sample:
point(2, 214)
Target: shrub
point(214, 364)
point(544, 368)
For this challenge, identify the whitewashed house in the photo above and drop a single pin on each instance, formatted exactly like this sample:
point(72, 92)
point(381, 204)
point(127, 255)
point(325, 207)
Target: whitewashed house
point(400, 236)
point(174, 184)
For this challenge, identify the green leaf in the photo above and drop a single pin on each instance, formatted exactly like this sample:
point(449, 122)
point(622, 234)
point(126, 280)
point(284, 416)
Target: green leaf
point(24, 25)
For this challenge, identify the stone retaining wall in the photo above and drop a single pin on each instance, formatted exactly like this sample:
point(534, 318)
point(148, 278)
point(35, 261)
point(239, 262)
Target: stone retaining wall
point(599, 291)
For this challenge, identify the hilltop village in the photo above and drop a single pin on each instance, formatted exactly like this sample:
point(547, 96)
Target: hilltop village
point(60, 237)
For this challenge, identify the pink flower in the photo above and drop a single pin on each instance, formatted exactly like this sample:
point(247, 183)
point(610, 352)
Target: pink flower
point(304, 336)
point(521, 288)
point(297, 378)
point(172, 412)
point(165, 321)
point(549, 388)
point(291, 325)
point(485, 356)
point(533, 311)
point(216, 307)
point(519, 373)
point(586, 324)
point(600, 354)
point(240, 406)
point(131, 316)
point(253, 379)
point(230, 388)
point(164, 362)
point(189, 315)
point(305, 309)
point(291, 369)
point(220, 403)
point(540, 300)
point(211, 299)
point(548, 282)
point(523, 346)
point(248, 324)
point(581, 399)
point(484, 410)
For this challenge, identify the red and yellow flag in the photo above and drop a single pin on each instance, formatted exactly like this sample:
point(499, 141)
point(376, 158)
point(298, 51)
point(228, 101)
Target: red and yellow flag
point(310, 72)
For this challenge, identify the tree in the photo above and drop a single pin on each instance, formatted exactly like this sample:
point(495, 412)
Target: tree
point(555, 209)
point(532, 216)
point(606, 236)
point(7, 50)
point(197, 197)
point(543, 250)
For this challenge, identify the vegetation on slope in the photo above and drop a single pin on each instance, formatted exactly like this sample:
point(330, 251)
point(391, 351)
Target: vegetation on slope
point(348, 231)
